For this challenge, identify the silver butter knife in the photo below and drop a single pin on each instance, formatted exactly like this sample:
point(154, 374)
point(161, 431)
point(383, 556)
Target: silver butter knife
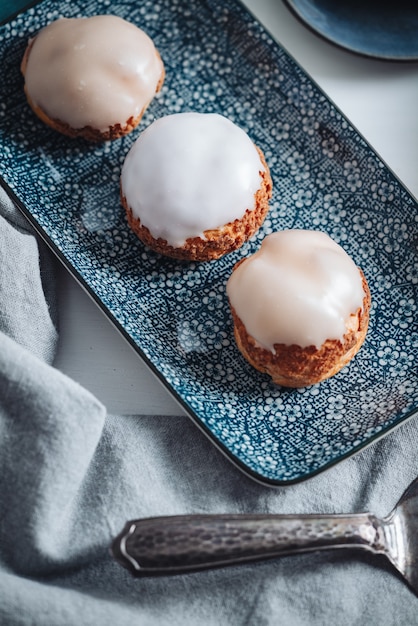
point(189, 543)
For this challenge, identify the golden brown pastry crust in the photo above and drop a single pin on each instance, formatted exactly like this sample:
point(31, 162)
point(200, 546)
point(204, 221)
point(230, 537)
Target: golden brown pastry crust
point(87, 132)
point(293, 366)
point(218, 241)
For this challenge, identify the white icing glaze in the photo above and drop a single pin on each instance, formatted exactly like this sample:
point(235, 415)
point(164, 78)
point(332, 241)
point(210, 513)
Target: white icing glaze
point(299, 288)
point(97, 71)
point(190, 172)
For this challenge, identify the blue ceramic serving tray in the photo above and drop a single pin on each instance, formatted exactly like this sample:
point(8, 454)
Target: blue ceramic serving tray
point(175, 314)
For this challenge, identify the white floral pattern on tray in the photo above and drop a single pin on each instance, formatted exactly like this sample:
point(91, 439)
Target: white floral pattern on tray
point(219, 59)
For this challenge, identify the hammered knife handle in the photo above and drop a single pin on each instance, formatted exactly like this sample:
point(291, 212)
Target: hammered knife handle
point(188, 543)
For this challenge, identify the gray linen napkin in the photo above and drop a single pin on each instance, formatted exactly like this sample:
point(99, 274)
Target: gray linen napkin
point(70, 476)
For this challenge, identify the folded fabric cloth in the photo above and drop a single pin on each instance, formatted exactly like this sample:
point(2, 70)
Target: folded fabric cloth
point(71, 476)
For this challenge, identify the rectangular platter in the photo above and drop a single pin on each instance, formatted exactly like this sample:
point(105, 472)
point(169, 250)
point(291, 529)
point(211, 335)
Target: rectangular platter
point(218, 58)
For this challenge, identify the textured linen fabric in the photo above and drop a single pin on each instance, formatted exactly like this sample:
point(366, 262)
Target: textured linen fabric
point(71, 476)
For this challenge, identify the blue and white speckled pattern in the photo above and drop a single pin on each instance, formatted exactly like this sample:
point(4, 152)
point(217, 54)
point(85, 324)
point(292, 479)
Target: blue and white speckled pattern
point(218, 59)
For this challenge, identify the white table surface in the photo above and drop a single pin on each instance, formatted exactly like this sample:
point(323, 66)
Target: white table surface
point(381, 101)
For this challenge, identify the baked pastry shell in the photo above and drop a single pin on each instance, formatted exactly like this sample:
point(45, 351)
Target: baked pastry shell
point(217, 241)
point(294, 366)
point(89, 133)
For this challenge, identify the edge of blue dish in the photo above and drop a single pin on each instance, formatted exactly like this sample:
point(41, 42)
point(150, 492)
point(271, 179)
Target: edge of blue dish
point(23, 5)
point(302, 10)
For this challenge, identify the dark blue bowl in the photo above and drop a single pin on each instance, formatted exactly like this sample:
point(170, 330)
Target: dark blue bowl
point(385, 30)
